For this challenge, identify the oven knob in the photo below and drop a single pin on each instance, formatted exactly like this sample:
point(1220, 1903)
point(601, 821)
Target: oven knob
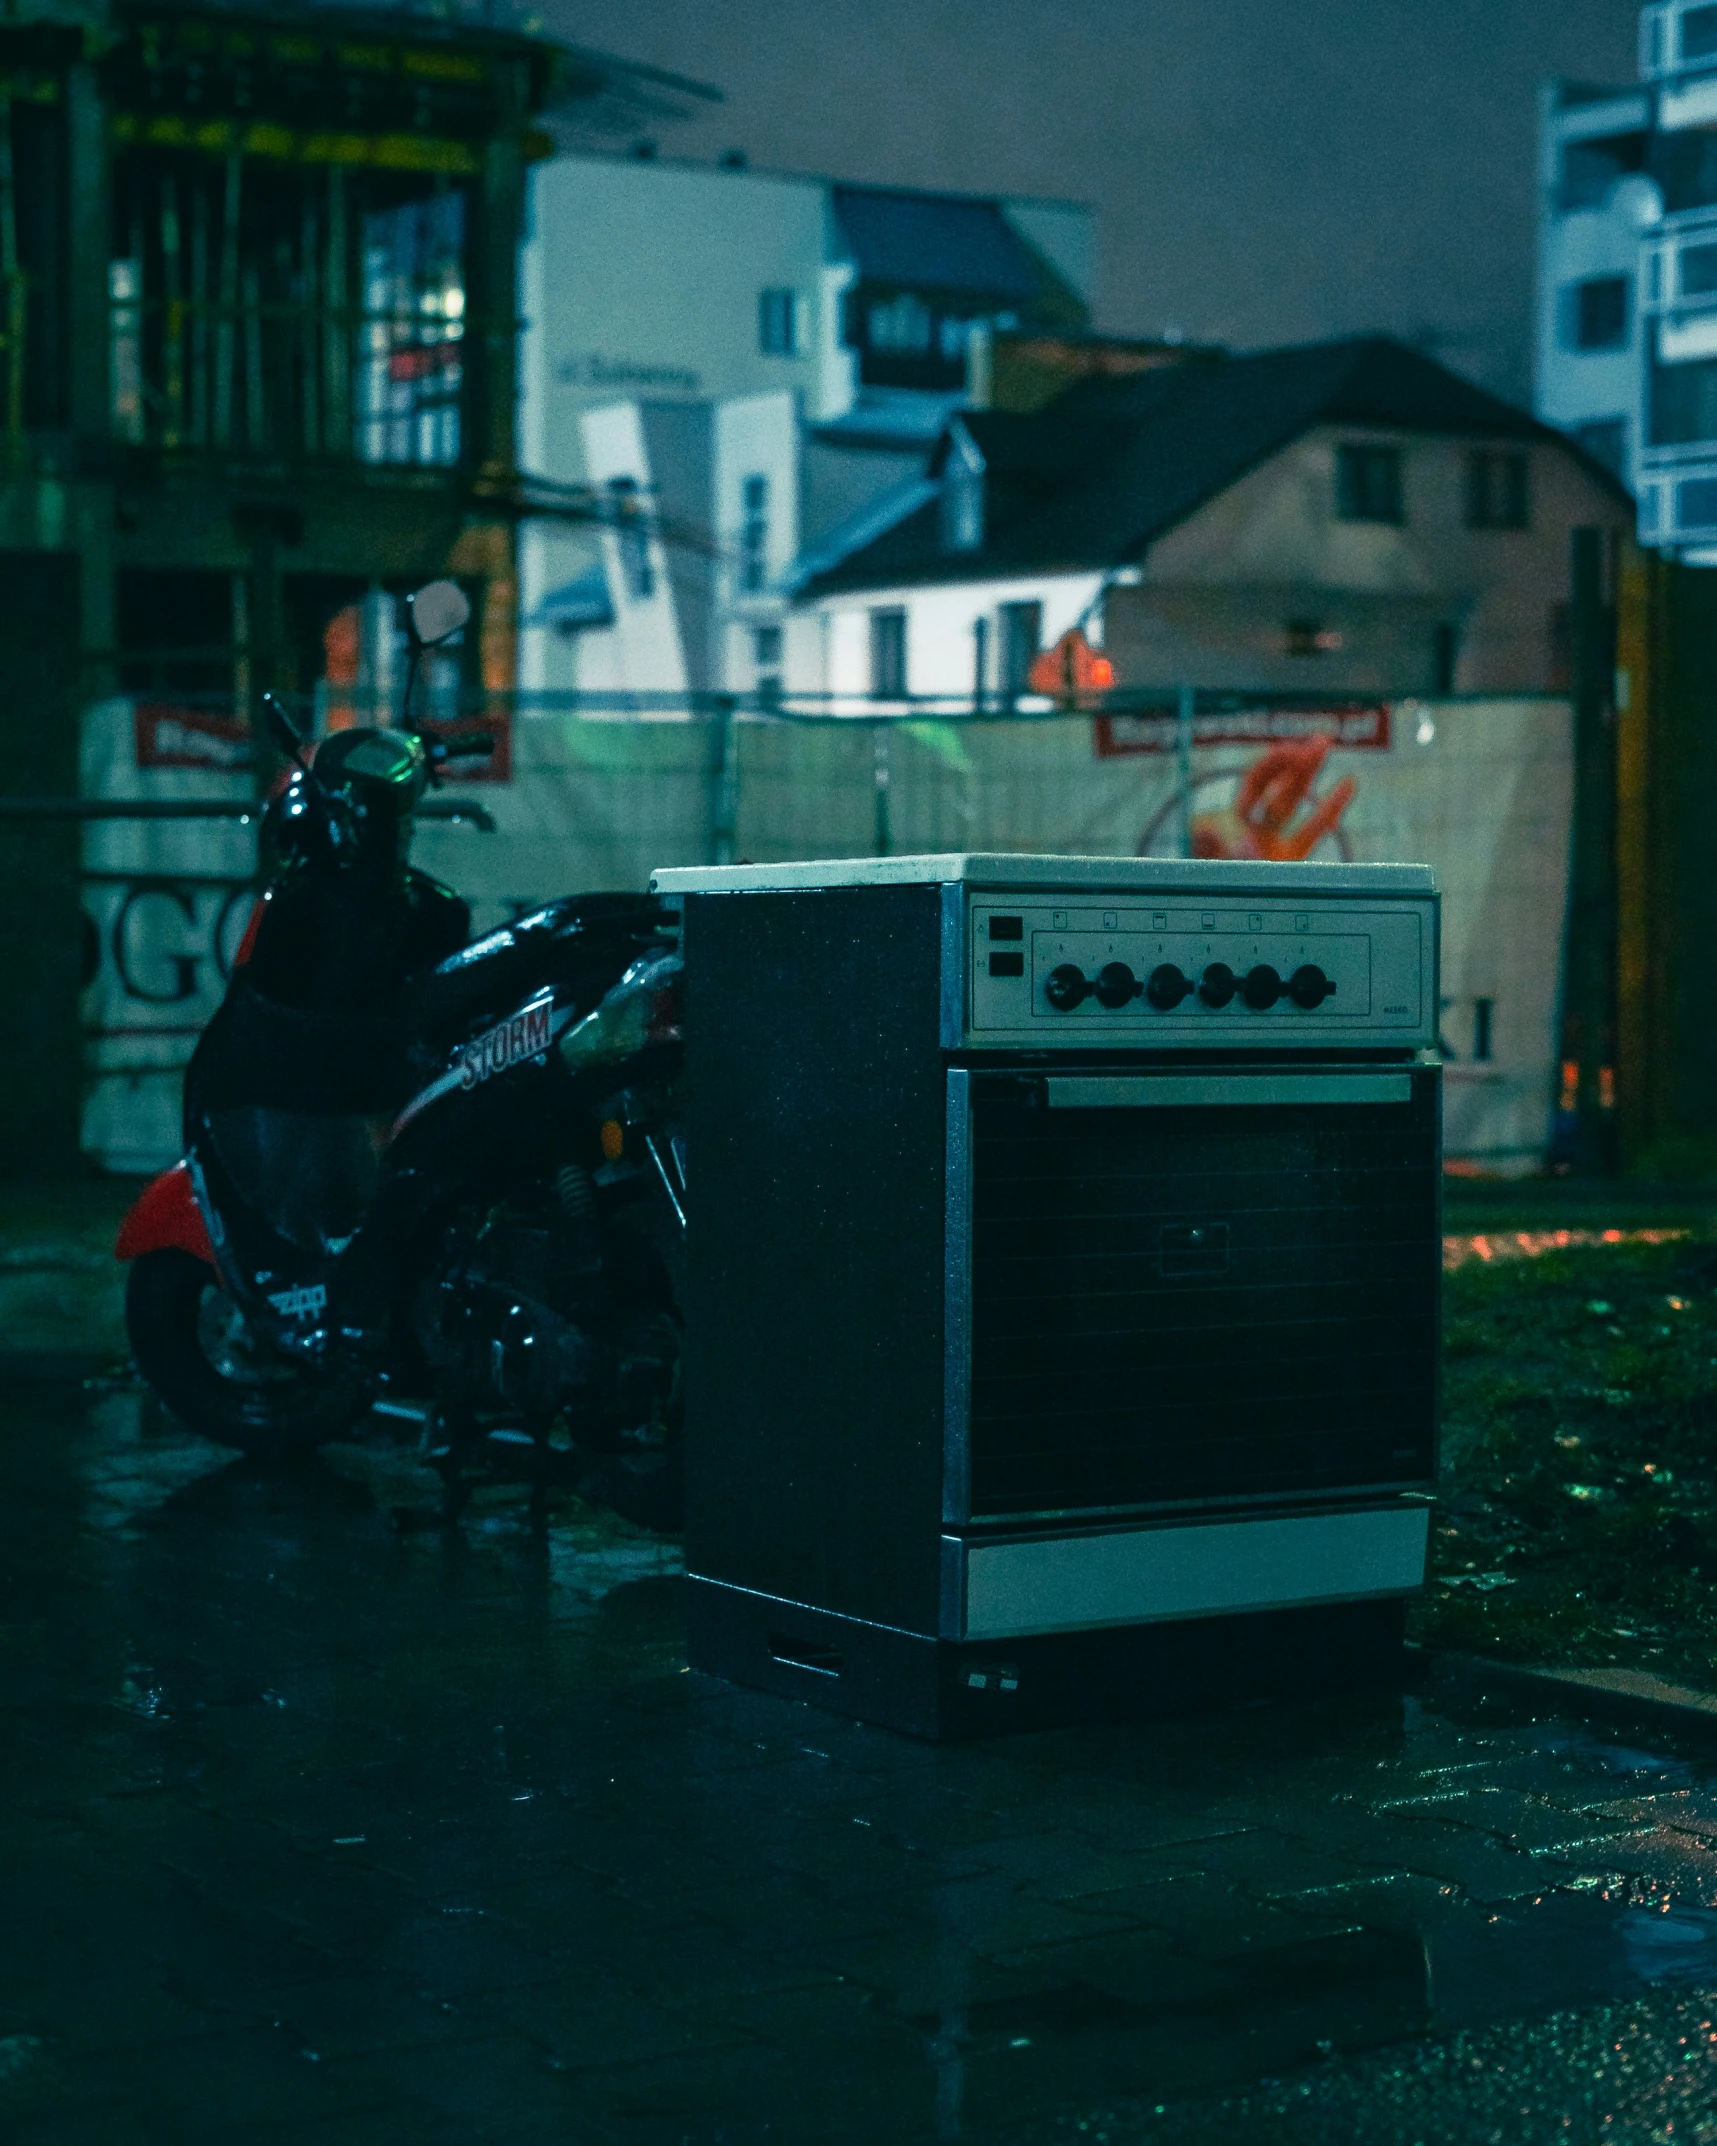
point(1309, 987)
point(1116, 984)
point(1167, 987)
point(1216, 985)
point(1262, 988)
point(1066, 987)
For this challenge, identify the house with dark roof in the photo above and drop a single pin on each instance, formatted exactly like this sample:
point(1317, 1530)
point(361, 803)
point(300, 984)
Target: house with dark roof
point(1347, 516)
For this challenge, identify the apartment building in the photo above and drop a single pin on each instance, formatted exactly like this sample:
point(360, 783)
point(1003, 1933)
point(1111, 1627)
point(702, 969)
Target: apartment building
point(1627, 327)
point(747, 362)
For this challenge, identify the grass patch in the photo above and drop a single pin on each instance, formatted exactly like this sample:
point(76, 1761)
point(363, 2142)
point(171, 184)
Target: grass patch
point(1577, 1523)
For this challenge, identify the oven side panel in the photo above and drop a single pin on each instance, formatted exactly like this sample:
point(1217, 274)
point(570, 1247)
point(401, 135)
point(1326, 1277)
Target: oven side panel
point(816, 1274)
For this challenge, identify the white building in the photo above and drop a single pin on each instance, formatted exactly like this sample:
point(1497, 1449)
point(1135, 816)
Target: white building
point(1678, 285)
point(1627, 339)
point(753, 360)
point(1596, 201)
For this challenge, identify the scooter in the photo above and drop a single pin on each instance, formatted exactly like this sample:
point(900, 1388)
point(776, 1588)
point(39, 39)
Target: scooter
point(440, 1180)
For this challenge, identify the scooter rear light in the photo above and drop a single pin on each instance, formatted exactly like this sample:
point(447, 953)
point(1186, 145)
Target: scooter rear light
point(666, 1025)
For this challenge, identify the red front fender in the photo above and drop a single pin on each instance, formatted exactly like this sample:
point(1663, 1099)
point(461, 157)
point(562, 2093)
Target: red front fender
point(164, 1216)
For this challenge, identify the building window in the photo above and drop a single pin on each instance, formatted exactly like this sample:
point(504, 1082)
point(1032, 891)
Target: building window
point(903, 323)
point(904, 339)
point(1445, 653)
point(1595, 314)
point(1698, 34)
point(1696, 271)
point(962, 495)
point(1496, 489)
point(1684, 164)
point(1020, 642)
point(1606, 441)
point(962, 508)
point(1483, 1009)
point(632, 528)
point(1309, 637)
point(778, 323)
point(888, 654)
point(411, 367)
point(754, 536)
point(766, 661)
point(1684, 403)
point(1695, 506)
point(1368, 484)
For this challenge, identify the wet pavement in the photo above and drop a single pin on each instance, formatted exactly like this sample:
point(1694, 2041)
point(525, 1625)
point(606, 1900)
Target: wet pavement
point(316, 1827)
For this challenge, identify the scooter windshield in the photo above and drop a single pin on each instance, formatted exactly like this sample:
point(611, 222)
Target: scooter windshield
point(309, 1174)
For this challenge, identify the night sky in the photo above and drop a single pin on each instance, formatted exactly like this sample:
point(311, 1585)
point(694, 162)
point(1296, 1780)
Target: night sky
point(1264, 171)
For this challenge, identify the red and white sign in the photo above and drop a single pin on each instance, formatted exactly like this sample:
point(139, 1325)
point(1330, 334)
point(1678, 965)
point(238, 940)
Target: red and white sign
point(171, 736)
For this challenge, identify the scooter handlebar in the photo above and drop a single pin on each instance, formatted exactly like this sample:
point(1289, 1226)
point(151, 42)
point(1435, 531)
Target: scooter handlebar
point(474, 744)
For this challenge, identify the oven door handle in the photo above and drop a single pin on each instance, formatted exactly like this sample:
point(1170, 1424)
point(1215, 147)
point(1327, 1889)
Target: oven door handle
point(1188, 1091)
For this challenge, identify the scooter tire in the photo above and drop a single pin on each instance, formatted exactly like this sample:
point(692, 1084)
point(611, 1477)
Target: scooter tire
point(274, 1417)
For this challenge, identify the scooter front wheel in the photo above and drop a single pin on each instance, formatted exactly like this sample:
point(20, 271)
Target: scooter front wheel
point(191, 1343)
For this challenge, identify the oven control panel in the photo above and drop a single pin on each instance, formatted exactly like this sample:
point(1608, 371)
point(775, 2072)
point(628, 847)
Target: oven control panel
point(1084, 971)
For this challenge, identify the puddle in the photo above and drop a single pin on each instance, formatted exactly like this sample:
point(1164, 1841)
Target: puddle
point(1192, 2027)
point(1672, 1947)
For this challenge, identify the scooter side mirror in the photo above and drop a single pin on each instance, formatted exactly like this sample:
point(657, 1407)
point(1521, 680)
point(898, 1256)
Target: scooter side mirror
point(436, 612)
point(282, 729)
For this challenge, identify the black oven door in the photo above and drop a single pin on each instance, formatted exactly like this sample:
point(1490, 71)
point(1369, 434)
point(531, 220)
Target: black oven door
point(1205, 1286)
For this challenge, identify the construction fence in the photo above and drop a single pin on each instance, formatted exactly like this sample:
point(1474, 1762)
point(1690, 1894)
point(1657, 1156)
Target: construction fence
point(582, 799)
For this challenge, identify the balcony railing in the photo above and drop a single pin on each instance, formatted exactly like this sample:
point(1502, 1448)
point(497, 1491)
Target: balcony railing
point(1678, 291)
point(1678, 507)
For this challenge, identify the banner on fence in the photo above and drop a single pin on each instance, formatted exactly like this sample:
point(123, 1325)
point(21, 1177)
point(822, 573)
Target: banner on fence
point(1480, 790)
point(1157, 730)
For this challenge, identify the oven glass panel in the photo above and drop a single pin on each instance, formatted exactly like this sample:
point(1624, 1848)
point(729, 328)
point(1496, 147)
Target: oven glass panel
point(1178, 1303)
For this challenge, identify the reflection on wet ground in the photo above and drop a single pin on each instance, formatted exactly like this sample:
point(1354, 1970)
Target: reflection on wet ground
point(320, 1827)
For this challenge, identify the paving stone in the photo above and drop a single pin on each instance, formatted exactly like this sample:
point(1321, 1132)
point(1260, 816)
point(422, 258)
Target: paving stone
point(217, 2086)
point(395, 2122)
point(1212, 1919)
point(595, 2019)
point(355, 2014)
point(108, 2123)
